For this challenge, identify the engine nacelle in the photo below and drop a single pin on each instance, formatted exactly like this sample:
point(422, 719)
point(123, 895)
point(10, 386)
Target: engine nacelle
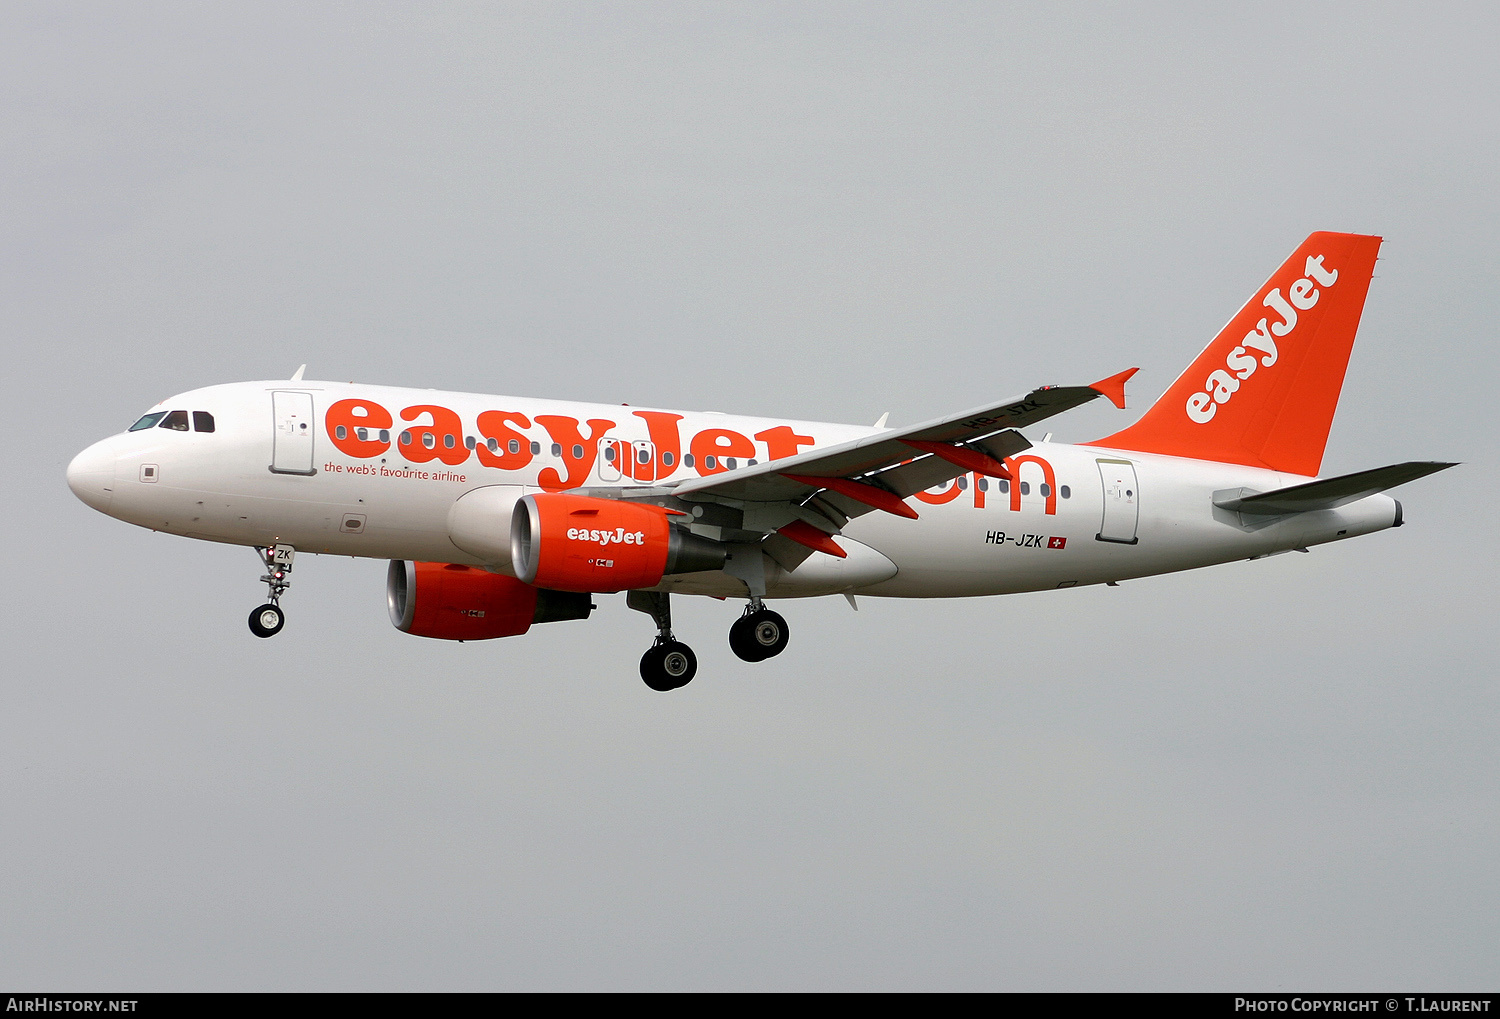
point(578, 543)
point(453, 602)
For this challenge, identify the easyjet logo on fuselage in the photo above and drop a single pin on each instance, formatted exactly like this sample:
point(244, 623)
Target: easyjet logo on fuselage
point(1222, 383)
point(364, 429)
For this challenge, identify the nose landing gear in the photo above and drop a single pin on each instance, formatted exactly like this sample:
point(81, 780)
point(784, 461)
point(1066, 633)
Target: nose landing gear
point(268, 619)
point(758, 634)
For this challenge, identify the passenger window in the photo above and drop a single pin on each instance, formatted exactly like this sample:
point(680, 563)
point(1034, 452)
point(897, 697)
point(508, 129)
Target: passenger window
point(469, 442)
point(667, 459)
point(341, 432)
point(556, 449)
point(494, 445)
point(203, 421)
point(149, 421)
point(577, 452)
point(177, 421)
point(514, 446)
point(1065, 492)
point(536, 447)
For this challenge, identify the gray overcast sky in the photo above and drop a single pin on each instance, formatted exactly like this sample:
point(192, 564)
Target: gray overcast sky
point(1279, 774)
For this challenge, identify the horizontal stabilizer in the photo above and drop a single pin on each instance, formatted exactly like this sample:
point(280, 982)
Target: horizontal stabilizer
point(1329, 493)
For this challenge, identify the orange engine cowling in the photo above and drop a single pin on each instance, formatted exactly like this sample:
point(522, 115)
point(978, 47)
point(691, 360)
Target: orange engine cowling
point(453, 602)
point(577, 543)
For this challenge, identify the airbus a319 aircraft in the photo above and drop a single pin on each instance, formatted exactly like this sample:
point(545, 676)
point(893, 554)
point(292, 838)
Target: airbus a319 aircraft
point(501, 512)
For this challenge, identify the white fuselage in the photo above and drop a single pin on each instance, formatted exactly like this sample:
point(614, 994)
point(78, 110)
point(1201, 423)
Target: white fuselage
point(1077, 515)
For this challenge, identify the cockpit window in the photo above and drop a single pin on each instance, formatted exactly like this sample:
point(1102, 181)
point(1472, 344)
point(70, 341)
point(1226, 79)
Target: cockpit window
point(176, 420)
point(149, 421)
point(203, 421)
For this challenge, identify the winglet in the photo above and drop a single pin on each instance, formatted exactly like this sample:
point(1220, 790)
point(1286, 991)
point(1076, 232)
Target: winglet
point(1114, 387)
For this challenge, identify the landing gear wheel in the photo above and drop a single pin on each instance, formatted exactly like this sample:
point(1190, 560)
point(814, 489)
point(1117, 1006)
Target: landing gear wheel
point(267, 621)
point(756, 636)
point(668, 666)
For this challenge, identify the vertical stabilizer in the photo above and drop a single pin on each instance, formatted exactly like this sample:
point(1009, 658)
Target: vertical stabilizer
point(1264, 391)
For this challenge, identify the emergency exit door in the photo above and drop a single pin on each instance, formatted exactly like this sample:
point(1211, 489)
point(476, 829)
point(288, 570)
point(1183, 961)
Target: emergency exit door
point(622, 458)
point(292, 442)
point(1121, 502)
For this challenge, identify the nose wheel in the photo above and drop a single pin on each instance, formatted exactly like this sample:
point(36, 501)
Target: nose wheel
point(268, 620)
point(758, 634)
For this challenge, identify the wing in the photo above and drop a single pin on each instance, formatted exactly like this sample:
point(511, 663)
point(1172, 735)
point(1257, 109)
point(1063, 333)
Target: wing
point(797, 505)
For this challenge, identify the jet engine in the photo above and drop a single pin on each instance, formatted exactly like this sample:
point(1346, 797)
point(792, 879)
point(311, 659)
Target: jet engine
point(578, 543)
point(453, 602)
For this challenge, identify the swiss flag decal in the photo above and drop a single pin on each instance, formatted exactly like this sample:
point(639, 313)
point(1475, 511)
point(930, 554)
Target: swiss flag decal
point(1057, 542)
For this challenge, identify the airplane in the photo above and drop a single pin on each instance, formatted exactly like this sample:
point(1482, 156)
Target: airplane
point(498, 513)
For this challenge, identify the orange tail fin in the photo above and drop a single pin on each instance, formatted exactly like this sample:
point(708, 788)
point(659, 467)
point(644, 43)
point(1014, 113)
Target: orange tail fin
point(1264, 391)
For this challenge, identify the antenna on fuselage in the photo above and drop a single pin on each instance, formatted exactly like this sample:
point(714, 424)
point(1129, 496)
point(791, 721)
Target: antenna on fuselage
point(297, 375)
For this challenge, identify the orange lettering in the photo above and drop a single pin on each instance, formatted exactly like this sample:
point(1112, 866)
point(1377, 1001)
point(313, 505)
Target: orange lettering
point(492, 424)
point(719, 443)
point(351, 415)
point(662, 428)
point(564, 432)
point(782, 441)
point(938, 498)
point(1048, 478)
point(442, 440)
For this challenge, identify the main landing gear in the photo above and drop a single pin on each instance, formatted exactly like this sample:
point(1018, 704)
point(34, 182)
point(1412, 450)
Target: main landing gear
point(758, 634)
point(668, 664)
point(268, 619)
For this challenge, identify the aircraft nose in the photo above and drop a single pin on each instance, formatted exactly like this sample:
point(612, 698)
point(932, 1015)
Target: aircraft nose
point(91, 476)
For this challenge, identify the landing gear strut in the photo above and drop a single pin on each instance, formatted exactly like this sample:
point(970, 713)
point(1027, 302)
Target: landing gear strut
point(668, 664)
point(758, 634)
point(268, 619)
